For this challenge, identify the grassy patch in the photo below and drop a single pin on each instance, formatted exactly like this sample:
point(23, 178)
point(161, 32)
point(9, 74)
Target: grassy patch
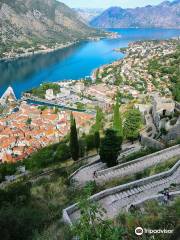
point(153, 216)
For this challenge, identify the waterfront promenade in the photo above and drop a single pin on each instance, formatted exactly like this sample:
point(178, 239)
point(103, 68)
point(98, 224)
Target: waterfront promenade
point(41, 101)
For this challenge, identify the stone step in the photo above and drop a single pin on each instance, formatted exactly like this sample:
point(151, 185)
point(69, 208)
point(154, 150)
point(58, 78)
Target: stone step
point(131, 168)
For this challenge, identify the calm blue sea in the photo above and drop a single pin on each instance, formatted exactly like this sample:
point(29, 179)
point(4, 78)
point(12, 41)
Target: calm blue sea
point(72, 63)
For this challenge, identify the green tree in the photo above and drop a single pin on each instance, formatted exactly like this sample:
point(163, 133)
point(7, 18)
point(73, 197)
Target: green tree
point(82, 147)
point(99, 121)
point(97, 140)
point(91, 225)
point(117, 121)
point(132, 124)
point(176, 91)
point(74, 144)
point(20, 222)
point(16, 194)
point(28, 122)
point(40, 159)
point(6, 169)
point(62, 152)
point(90, 144)
point(110, 146)
point(41, 90)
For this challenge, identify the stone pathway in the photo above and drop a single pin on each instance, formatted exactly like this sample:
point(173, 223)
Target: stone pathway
point(116, 200)
point(86, 173)
point(129, 151)
point(137, 165)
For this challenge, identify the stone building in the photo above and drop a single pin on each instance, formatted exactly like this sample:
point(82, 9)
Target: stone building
point(162, 109)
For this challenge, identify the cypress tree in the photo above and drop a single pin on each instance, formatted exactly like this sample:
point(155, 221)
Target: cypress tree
point(74, 144)
point(99, 121)
point(117, 121)
point(97, 140)
point(110, 147)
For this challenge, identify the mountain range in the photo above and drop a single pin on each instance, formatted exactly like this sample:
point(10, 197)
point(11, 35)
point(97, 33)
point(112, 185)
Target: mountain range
point(27, 23)
point(88, 14)
point(164, 15)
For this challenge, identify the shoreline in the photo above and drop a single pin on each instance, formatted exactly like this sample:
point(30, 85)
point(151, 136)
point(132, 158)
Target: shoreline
point(45, 51)
point(60, 47)
point(93, 72)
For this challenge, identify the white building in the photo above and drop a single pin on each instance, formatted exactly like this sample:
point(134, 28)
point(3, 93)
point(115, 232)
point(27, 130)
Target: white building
point(79, 87)
point(49, 94)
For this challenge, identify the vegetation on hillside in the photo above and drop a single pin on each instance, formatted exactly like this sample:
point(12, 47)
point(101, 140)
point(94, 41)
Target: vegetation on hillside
point(43, 158)
point(168, 65)
point(45, 28)
point(41, 90)
point(132, 124)
point(91, 225)
point(53, 155)
point(154, 215)
point(37, 207)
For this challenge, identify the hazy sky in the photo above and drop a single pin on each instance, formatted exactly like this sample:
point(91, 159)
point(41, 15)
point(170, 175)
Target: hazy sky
point(109, 3)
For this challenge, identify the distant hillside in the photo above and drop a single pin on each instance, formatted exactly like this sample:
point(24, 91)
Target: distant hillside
point(164, 15)
point(26, 23)
point(88, 14)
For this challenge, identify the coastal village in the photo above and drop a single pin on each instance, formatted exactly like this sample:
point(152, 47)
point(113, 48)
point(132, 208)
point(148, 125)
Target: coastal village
point(25, 128)
point(132, 73)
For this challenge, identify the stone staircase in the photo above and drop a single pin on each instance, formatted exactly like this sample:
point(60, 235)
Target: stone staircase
point(158, 197)
point(116, 200)
point(103, 174)
point(128, 151)
point(86, 172)
point(136, 166)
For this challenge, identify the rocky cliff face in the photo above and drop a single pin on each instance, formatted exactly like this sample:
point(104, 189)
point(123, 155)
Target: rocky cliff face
point(164, 15)
point(30, 22)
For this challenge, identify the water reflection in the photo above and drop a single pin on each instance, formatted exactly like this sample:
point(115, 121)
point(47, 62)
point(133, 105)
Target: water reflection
point(24, 67)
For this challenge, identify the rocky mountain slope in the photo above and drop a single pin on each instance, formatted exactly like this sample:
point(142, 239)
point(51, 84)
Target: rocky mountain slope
point(88, 14)
point(164, 15)
point(27, 23)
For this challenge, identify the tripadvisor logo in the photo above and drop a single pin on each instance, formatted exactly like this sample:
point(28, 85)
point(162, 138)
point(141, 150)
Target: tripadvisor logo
point(139, 231)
